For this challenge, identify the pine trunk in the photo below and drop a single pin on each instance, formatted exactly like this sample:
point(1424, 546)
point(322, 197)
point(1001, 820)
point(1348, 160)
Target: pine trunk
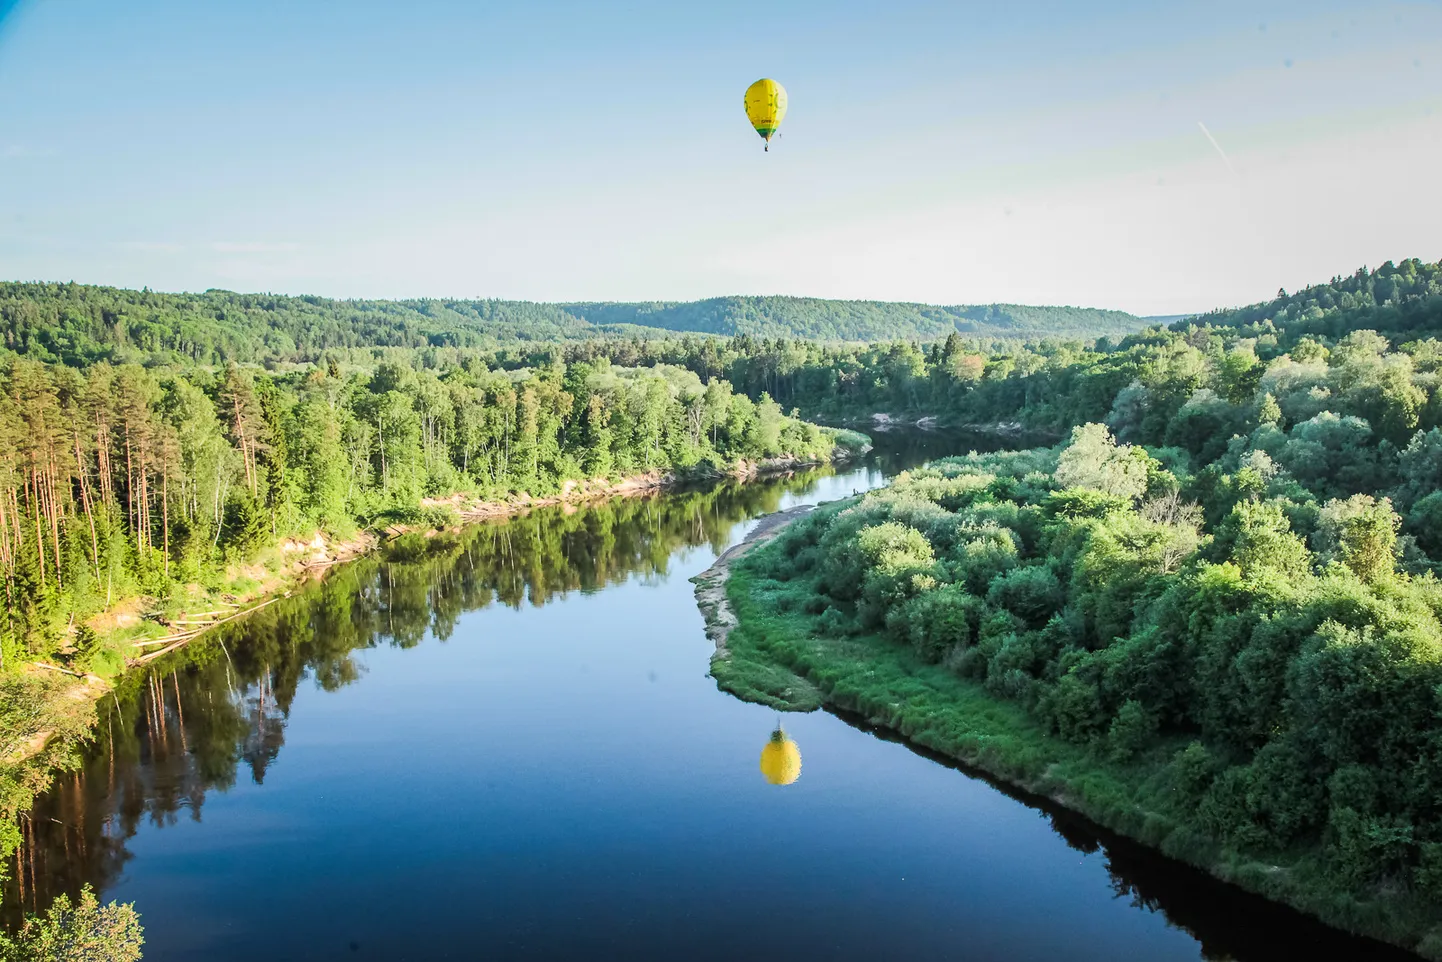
point(80, 469)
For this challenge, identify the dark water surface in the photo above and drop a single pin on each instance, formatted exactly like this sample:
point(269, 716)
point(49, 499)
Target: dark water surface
point(504, 745)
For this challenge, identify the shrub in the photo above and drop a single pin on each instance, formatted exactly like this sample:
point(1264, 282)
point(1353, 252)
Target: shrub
point(1424, 523)
point(86, 932)
point(1074, 708)
point(106, 663)
point(1366, 847)
point(1429, 869)
point(1033, 593)
point(1131, 730)
point(979, 559)
point(1192, 770)
point(892, 548)
point(834, 623)
point(939, 621)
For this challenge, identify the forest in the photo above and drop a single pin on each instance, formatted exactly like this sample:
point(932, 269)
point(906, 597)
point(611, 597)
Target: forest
point(1210, 616)
point(1214, 601)
point(77, 324)
point(126, 481)
point(120, 479)
point(129, 494)
point(167, 724)
point(1060, 381)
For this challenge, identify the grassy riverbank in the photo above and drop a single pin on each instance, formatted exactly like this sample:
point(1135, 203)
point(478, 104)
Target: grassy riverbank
point(781, 657)
point(1136, 665)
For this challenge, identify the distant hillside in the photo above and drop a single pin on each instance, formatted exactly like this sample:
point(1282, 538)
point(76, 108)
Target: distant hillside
point(1401, 301)
point(817, 319)
point(79, 324)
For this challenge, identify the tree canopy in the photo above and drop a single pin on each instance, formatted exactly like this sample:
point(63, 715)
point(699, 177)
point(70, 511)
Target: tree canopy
point(78, 324)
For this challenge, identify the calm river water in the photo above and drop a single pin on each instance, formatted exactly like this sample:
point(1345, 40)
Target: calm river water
point(505, 746)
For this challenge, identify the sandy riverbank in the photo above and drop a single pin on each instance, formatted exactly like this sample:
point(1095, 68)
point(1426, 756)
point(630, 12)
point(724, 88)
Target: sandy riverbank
point(711, 583)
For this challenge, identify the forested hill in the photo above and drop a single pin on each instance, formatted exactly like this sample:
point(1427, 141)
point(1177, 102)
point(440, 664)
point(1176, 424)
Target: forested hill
point(817, 319)
point(1397, 300)
point(78, 324)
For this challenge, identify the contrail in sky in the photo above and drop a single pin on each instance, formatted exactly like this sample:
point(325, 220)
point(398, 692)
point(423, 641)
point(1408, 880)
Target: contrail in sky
point(1220, 152)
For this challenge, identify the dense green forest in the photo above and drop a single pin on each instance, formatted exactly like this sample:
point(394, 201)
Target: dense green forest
point(177, 488)
point(827, 320)
point(124, 481)
point(79, 324)
point(168, 743)
point(1214, 618)
point(1236, 552)
point(1059, 382)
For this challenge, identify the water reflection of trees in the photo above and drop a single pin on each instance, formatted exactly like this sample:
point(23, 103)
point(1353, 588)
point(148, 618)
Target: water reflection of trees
point(187, 726)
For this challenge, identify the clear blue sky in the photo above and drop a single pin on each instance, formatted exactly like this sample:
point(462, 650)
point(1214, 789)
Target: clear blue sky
point(1041, 152)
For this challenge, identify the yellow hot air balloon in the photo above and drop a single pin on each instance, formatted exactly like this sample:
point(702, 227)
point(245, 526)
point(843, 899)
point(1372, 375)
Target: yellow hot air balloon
point(766, 107)
point(780, 759)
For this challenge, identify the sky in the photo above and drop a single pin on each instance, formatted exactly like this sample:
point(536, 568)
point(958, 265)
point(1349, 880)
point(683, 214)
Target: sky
point(1154, 157)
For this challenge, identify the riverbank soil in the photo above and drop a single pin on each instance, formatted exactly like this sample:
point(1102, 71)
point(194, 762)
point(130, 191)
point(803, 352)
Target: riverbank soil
point(749, 678)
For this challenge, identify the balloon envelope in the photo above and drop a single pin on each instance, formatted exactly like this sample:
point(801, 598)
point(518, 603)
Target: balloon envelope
point(765, 106)
point(780, 759)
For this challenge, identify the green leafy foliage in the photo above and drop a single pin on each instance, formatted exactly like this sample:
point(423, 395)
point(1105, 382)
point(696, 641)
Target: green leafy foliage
point(128, 481)
point(79, 324)
point(1130, 610)
point(82, 932)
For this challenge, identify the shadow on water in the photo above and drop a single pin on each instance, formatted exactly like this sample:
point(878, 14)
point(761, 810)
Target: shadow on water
point(1230, 924)
point(195, 723)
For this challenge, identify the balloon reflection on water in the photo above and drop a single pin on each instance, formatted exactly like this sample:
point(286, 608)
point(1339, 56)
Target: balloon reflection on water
point(780, 759)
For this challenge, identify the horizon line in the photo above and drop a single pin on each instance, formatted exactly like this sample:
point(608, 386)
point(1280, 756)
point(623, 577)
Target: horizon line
point(665, 302)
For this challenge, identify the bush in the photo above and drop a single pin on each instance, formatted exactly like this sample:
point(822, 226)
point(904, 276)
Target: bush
point(977, 561)
point(1011, 683)
point(834, 624)
point(1192, 770)
point(1033, 593)
point(933, 621)
point(1131, 730)
point(1366, 847)
point(87, 932)
point(815, 605)
point(892, 548)
point(1429, 869)
point(1074, 709)
point(1424, 523)
point(106, 663)
point(439, 517)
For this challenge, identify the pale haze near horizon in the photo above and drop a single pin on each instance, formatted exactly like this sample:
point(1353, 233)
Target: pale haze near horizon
point(1045, 153)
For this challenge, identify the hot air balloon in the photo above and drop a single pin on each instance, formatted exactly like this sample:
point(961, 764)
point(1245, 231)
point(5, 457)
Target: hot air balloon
point(780, 759)
point(766, 107)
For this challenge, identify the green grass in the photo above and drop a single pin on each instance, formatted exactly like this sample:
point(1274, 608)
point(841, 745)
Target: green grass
point(886, 683)
point(776, 648)
point(854, 442)
point(765, 683)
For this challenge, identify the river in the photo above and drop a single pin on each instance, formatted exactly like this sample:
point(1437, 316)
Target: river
point(504, 745)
